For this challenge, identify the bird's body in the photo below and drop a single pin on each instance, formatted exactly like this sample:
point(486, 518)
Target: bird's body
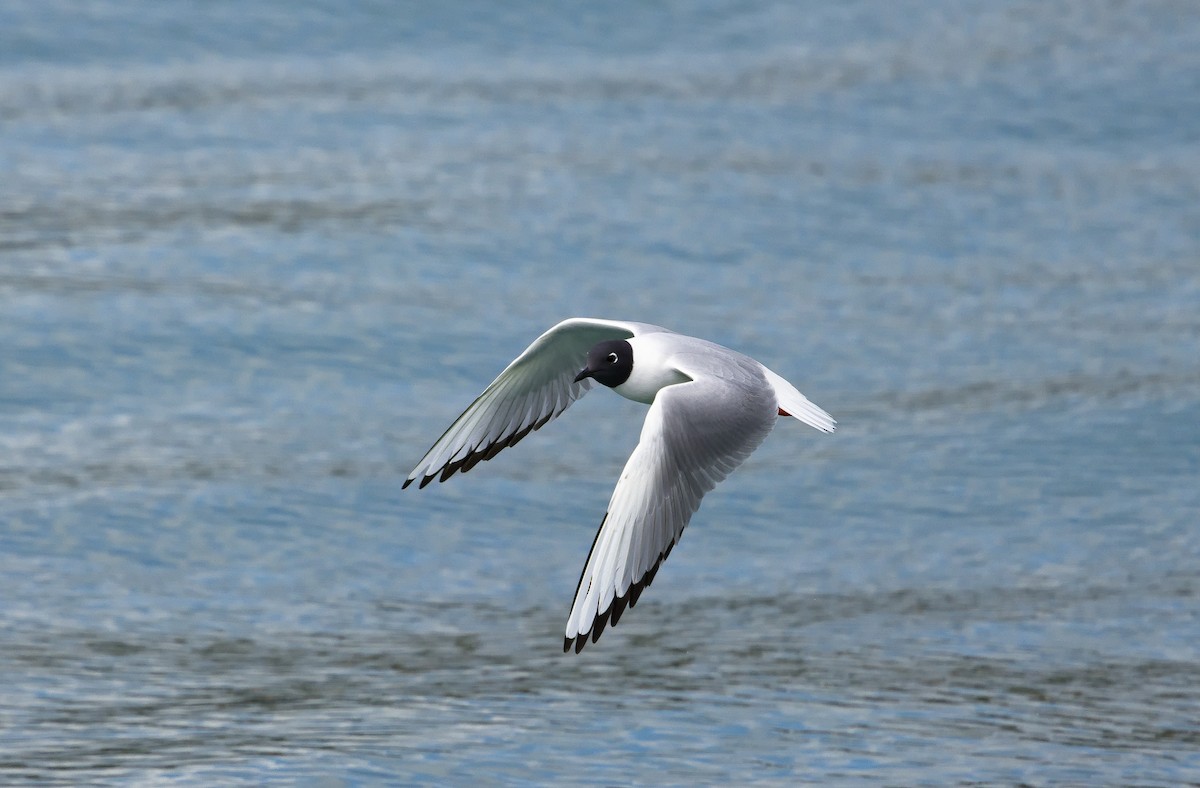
point(710, 408)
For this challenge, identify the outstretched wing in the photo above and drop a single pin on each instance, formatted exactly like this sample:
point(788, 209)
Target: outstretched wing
point(695, 434)
point(535, 388)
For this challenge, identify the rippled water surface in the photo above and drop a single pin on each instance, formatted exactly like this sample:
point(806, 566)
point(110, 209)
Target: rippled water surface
point(254, 257)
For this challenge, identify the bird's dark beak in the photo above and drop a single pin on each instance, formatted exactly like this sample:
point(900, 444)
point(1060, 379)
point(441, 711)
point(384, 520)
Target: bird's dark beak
point(586, 372)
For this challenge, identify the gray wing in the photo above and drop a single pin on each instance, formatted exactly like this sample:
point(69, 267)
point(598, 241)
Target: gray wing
point(534, 389)
point(695, 434)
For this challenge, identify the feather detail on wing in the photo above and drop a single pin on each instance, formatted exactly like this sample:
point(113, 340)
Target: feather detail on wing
point(531, 391)
point(695, 434)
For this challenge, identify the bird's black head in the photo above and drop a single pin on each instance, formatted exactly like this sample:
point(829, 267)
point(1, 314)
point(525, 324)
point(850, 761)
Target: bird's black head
point(610, 362)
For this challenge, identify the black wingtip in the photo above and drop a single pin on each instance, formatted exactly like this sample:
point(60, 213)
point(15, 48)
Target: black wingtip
point(579, 641)
point(600, 623)
point(613, 614)
point(618, 607)
point(406, 483)
point(481, 453)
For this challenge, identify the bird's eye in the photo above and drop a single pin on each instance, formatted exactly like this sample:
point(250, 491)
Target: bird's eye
point(612, 358)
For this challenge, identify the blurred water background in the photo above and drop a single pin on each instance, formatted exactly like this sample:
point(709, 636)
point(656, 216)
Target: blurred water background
point(255, 256)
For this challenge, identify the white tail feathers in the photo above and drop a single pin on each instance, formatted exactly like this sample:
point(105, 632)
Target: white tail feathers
point(793, 403)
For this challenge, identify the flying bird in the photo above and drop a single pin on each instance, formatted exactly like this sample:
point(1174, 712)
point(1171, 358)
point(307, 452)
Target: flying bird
point(710, 408)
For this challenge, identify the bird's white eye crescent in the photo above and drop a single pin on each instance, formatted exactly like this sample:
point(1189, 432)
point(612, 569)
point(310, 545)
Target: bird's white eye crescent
point(612, 358)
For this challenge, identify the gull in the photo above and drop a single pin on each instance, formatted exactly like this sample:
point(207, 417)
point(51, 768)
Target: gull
point(710, 408)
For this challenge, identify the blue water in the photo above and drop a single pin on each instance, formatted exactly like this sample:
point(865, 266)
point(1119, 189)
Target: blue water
point(255, 256)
